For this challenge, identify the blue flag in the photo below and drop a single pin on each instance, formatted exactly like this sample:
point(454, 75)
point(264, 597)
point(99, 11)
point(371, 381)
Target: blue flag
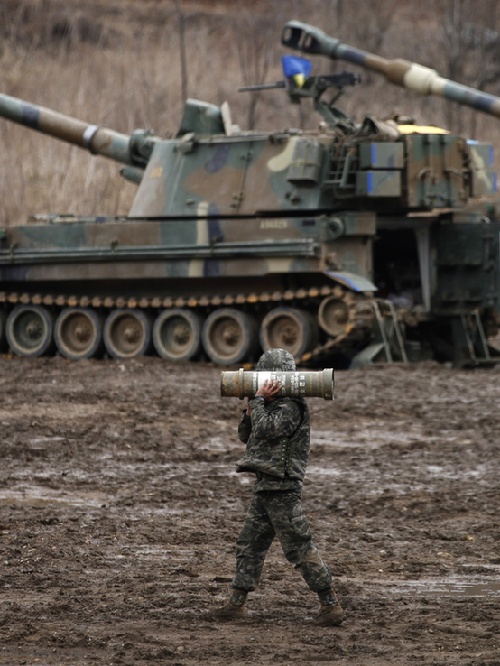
point(296, 69)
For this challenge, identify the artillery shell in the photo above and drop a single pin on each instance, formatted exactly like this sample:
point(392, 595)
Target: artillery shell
point(303, 383)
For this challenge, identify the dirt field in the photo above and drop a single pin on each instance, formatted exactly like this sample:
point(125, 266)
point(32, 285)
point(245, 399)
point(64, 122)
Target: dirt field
point(119, 508)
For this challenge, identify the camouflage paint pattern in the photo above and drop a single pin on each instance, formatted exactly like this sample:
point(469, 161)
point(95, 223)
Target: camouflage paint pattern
point(139, 249)
point(483, 177)
point(437, 175)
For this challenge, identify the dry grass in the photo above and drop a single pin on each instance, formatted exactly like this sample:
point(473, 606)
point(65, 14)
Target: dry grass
point(116, 63)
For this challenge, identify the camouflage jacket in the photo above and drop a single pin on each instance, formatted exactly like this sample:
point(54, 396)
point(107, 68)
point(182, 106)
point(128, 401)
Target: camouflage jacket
point(277, 435)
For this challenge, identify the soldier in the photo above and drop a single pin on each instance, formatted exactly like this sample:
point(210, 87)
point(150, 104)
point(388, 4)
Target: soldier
point(276, 431)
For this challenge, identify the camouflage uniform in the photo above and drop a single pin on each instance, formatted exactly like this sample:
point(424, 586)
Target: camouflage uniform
point(277, 437)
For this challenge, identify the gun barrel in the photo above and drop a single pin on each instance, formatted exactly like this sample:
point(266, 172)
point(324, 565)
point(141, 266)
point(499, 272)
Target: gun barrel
point(97, 140)
point(423, 80)
point(263, 86)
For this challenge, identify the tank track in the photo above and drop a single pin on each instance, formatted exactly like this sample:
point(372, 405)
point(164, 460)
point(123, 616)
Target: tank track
point(359, 313)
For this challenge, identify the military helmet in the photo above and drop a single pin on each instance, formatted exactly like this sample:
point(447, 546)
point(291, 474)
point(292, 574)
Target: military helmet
point(276, 359)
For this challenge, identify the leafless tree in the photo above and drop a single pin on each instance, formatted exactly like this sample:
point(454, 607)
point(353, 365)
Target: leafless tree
point(181, 19)
point(471, 45)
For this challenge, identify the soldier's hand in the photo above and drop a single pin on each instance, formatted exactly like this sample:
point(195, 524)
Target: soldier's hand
point(269, 390)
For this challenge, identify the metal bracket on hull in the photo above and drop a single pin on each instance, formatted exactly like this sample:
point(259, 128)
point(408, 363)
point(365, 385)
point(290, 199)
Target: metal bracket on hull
point(388, 341)
point(470, 342)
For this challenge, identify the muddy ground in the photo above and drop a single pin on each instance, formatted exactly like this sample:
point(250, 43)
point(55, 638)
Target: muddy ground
point(119, 508)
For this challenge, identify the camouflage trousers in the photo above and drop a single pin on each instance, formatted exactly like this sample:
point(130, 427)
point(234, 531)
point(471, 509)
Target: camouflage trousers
point(278, 513)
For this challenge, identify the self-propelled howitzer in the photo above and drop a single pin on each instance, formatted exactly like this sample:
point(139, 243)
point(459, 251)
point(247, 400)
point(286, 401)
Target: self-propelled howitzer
point(453, 227)
point(351, 244)
point(218, 255)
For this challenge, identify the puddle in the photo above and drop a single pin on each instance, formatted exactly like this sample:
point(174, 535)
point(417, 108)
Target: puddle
point(372, 435)
point(323, 471)
point(40, 496)
point(451, 586)
point(43, 443)
point(450, 472)
point(375, 434)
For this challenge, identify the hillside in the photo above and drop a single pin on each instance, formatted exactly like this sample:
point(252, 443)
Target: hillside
point(118, 63)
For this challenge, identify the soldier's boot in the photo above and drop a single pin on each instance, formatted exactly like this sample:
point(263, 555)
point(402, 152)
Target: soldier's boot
point(331, 613)
point(234, 606)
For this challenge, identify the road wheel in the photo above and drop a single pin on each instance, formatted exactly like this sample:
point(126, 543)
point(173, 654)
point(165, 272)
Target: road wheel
point(176, 335)
point(229, 336)
point(29, 330)
point(78, 333)
point(290, 329)
point(333, 316)
point(127, 333)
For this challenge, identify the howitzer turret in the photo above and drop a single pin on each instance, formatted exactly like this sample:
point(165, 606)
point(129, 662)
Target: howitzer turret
point(356, 243)
point(424, 80)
